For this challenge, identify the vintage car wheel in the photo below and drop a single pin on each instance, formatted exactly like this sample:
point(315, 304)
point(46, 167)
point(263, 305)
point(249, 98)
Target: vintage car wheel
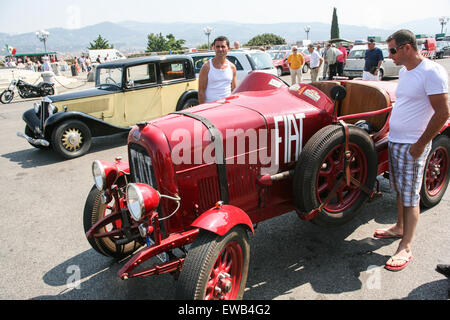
point(71, 139)
point(94, 210)
point(216, 267)
point(321, 167)
point(6, 96)
point(436, 175)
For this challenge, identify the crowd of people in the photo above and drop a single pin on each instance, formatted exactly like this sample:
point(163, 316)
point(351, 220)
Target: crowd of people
point(36, 64)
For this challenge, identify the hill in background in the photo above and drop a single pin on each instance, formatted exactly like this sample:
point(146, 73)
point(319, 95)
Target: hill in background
point(131, 36)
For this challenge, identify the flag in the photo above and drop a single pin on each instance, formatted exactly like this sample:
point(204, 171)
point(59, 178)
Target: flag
point(11, 50)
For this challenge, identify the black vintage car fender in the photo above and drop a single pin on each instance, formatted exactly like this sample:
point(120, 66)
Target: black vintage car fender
point(97, 126)
point(190, 94)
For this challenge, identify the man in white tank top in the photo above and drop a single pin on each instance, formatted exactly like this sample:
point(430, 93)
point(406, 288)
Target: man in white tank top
point(217, 78)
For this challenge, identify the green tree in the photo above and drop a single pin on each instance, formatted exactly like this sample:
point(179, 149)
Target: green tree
point(100, 43)
point(157, 43)
point(266, 39)
point(335, 26)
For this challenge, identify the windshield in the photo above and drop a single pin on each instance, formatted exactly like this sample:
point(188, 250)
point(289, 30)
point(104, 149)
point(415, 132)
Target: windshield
point(276, 55)
point(262, 60)
point(357, 54)
point(109, 77)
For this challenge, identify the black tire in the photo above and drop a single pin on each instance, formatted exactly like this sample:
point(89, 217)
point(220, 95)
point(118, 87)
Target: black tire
point(6, 96)
point(31, 134)
point(305, 68)
point(436, 175)
point(279, 71)
point(94, 210)
point(321, 166)
point(202, 267)
point(71, 139)
point(191, 102)
point(48, 90)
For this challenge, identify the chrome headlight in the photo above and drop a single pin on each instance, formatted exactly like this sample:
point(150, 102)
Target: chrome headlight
point(99, 175)
point(135, 202)
point(36, 107)
point(52, 109)
point(141, 199)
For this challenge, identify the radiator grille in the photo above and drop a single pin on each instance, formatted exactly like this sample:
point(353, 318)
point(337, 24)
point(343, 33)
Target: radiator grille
point(141, 168)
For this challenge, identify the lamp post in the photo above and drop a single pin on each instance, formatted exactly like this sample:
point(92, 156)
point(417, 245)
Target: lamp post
point(42, 35)
point(207, 32)
point(443, 21)
point(307, 30)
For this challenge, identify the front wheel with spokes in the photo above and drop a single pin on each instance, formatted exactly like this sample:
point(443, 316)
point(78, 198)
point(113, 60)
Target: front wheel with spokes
point(215, 267)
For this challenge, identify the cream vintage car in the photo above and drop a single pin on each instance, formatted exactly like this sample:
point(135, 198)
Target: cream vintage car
point(126, 92)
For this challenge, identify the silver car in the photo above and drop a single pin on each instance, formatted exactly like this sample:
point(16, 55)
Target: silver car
point(245, 61)
point(355, 63)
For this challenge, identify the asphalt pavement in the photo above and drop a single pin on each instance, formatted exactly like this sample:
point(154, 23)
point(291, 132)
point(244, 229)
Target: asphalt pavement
point(45, 255)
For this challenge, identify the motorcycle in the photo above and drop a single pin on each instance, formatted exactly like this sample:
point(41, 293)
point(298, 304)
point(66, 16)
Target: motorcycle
point(26, 90)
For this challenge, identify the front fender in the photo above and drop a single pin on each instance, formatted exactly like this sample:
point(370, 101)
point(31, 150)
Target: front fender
point(97, 126)
point(221, 220)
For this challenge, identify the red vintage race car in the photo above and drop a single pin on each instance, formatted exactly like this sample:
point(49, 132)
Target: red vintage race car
point(197, 181)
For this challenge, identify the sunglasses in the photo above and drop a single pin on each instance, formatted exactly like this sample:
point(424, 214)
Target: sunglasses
point(395, 50)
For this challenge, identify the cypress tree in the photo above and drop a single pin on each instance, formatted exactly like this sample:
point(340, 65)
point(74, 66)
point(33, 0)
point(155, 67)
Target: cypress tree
point(335, 26)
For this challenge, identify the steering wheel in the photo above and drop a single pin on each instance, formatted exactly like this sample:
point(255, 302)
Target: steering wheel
point(109, 79)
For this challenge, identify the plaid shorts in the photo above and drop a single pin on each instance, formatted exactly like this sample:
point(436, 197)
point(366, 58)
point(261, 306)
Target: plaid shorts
point(406, 173)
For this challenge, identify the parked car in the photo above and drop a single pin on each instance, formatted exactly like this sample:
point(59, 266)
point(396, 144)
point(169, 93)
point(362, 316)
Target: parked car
point(355, 63)
point(280, 62)
point(126, 92)
point(281, 47)
point(245, 61)
point(279, 59)
point(197, 181)
point(442, 49)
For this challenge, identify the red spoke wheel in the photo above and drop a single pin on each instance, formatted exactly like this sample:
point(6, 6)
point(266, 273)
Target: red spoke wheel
point(320, 174)
point(94, 211)
point(215, 267)
point(436, 175)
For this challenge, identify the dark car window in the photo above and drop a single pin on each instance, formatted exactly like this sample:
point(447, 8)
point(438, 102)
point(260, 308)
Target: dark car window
point(172, 71)
point(200, 61)
point(142, 74)
point(236, 62)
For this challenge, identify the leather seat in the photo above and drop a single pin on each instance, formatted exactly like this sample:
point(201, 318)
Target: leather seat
point(365, 97)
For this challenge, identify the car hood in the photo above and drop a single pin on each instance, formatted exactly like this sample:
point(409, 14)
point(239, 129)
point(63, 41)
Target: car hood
point(84, 94)
point(247, 113)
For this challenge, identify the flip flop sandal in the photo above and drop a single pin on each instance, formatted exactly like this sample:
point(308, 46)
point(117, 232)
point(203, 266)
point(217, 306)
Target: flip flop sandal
point(386, 234)
point(399, 267)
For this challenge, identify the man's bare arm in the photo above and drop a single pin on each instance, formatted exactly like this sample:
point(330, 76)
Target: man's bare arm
point(439, 102)
point(203, 83)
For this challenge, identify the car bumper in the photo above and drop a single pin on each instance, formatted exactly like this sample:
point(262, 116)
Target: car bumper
point(353, 73)
point(36, 142)
point(34, 124)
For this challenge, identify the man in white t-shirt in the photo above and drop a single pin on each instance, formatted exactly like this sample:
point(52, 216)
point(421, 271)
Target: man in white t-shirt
point(420, 112)
point(315, 63)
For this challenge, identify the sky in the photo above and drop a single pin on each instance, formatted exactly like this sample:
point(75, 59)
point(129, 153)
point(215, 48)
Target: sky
point(31, 15)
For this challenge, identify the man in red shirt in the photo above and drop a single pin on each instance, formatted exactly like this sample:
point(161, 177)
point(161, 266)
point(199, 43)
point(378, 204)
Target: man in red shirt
point(341, 60)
